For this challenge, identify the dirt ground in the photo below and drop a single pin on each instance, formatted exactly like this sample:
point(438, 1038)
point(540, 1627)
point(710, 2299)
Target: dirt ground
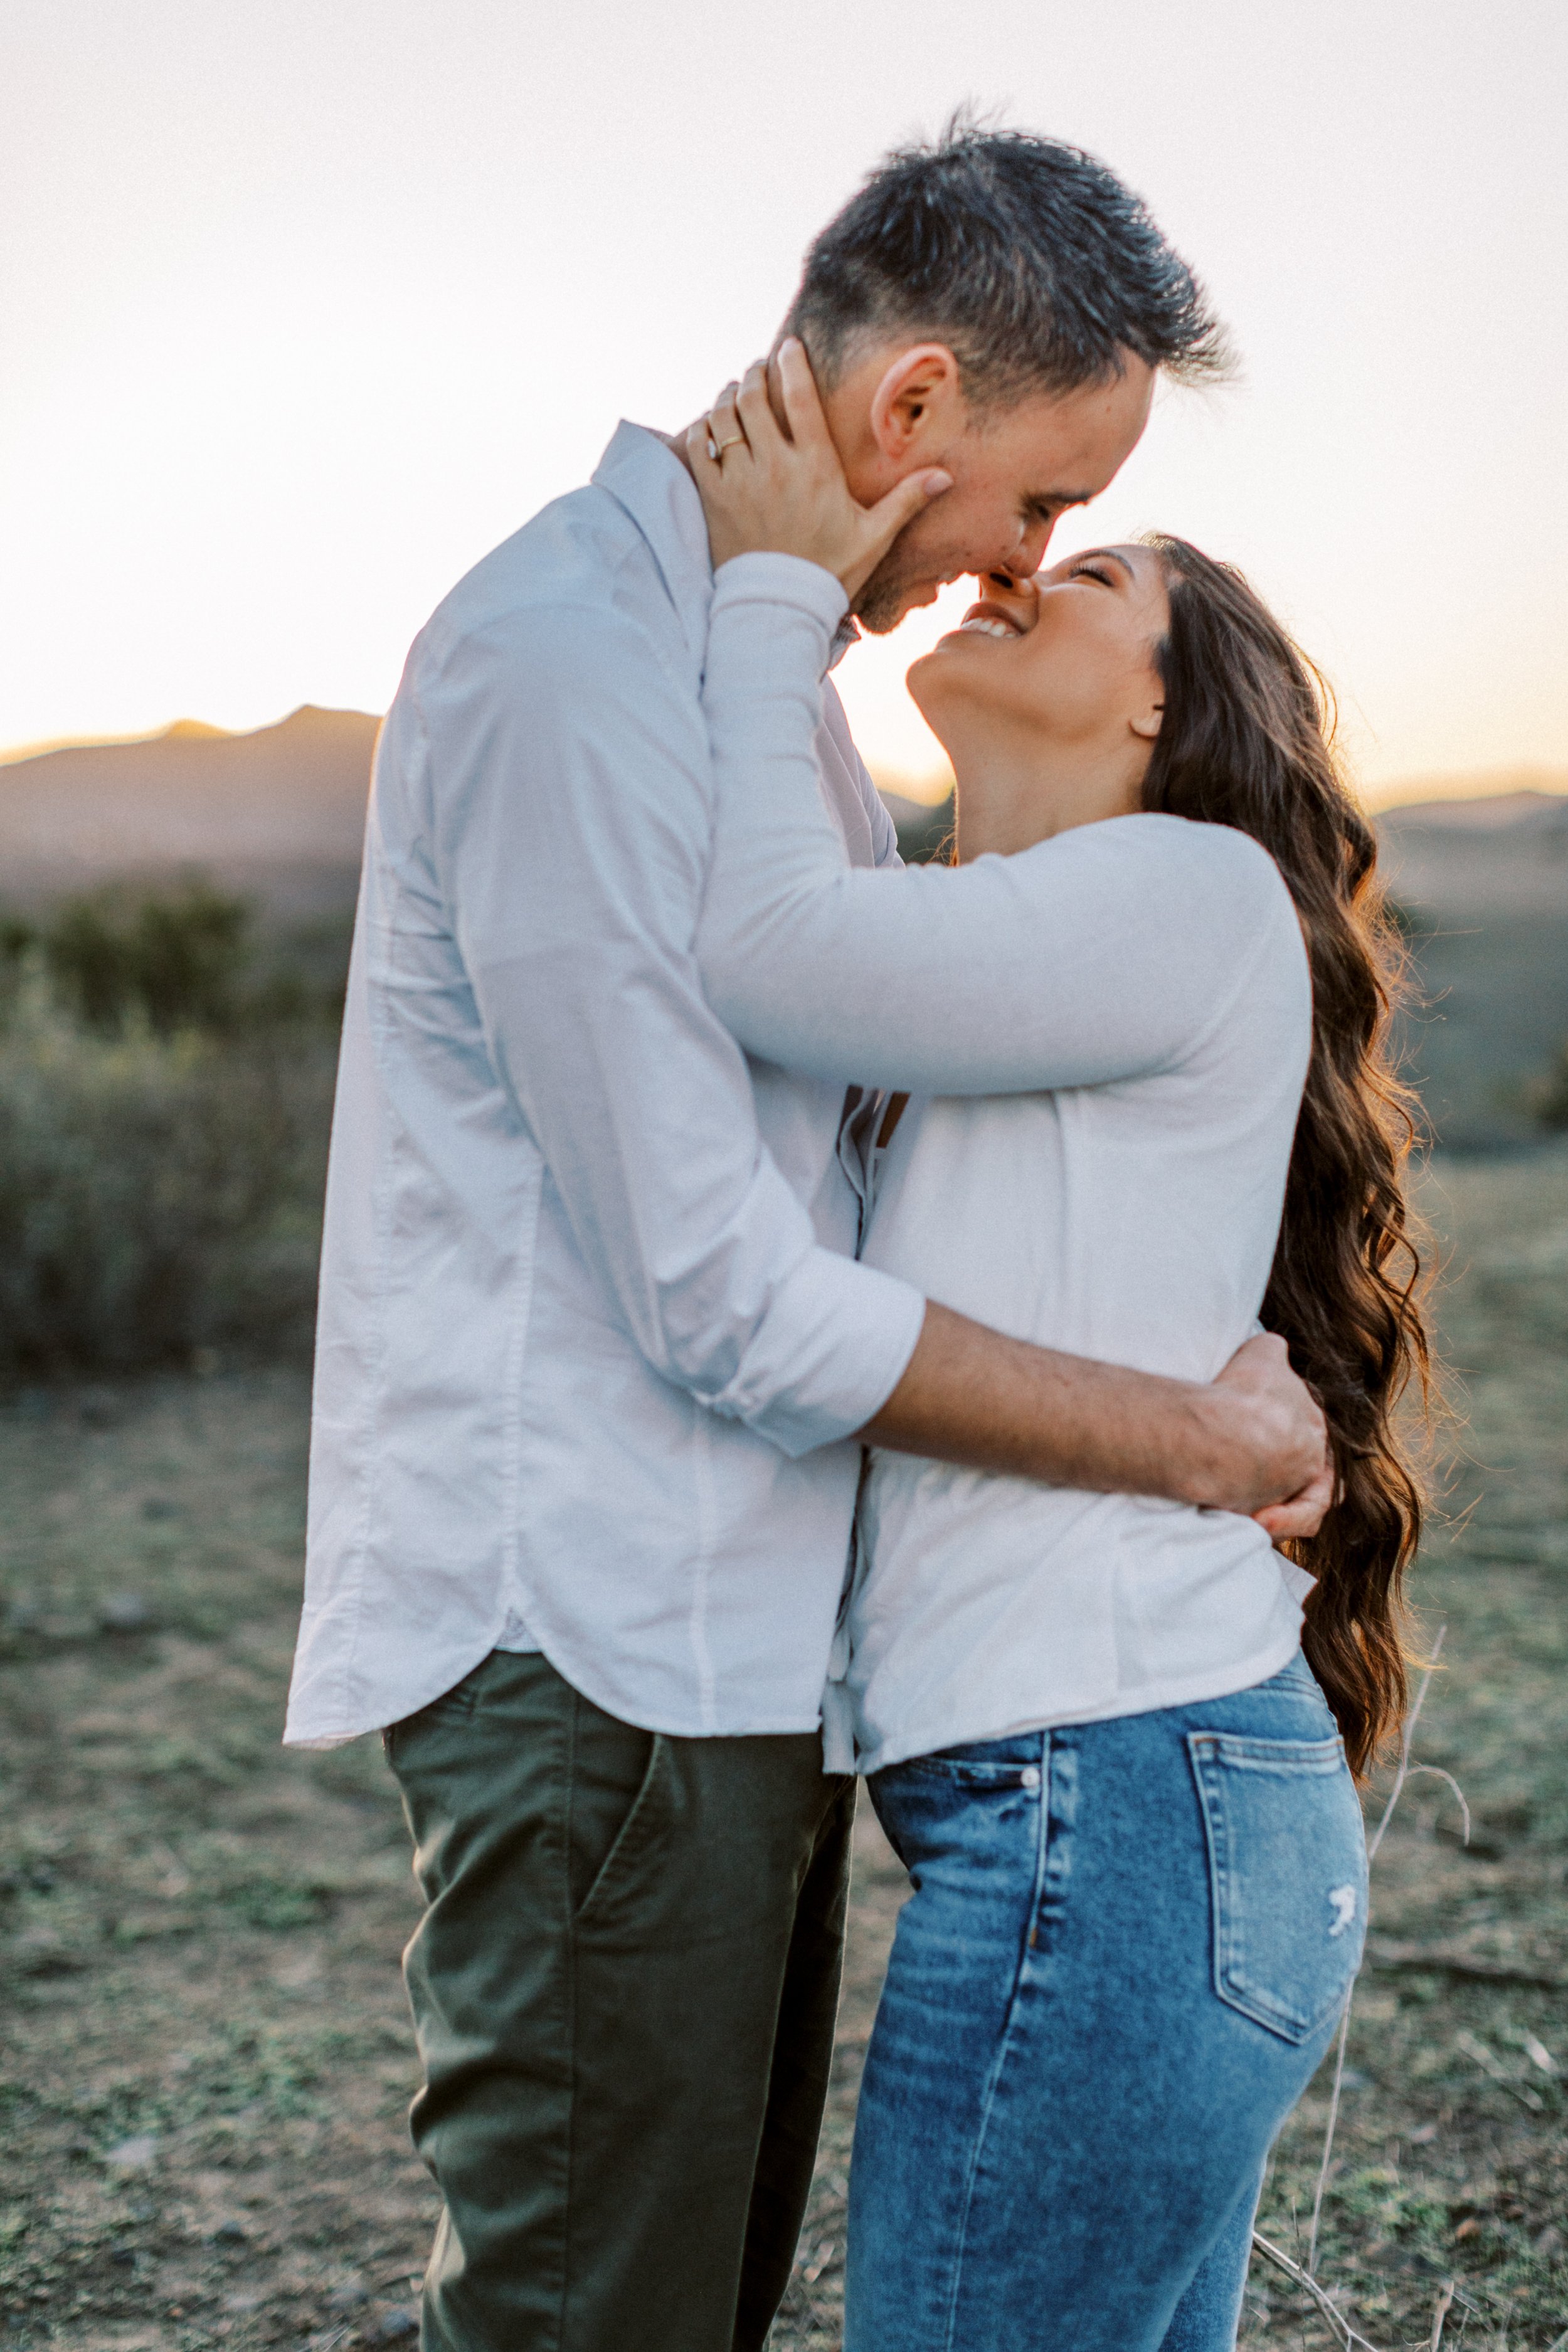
point(204, 2054)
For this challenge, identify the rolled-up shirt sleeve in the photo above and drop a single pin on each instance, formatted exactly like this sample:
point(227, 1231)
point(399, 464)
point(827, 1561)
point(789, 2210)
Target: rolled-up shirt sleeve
point(1103, 954)
point(573, 832)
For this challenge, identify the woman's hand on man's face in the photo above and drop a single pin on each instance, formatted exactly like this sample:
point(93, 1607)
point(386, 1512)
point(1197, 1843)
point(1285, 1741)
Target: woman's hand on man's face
point(764, 490)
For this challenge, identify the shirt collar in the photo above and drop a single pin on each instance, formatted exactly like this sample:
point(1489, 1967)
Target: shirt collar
point(643, 474)
point(845, 634)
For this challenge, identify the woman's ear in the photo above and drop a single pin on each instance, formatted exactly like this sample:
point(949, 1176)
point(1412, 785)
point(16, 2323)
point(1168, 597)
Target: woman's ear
point(1148, 721)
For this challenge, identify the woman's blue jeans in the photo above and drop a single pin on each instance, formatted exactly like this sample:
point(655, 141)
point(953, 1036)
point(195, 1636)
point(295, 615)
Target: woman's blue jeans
point(1125, 1954)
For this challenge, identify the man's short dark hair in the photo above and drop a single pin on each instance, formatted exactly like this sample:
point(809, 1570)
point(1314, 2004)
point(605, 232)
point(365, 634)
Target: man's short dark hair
point(1028, 258)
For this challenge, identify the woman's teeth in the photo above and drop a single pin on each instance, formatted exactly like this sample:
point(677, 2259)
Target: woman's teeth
point(982, 627)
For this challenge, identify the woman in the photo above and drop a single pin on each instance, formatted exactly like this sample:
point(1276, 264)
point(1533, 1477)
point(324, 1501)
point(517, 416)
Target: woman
point(1109, 1737)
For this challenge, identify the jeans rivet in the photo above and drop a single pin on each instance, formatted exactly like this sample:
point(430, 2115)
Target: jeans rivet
point(1030, 1776)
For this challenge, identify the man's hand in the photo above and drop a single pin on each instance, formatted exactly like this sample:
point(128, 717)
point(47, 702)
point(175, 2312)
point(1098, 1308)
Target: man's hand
point(1303, 1514)
point(1282, 1409)
point(764, 490)
point(1253, 1441)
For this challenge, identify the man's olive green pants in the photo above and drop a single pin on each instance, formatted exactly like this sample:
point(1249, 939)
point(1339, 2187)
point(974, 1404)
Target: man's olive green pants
point(623, 1987)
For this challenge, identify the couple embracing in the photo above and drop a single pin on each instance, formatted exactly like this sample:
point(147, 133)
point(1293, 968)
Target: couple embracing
point(785, 1315)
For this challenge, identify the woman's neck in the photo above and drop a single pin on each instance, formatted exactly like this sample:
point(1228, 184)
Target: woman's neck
point(1010, 797)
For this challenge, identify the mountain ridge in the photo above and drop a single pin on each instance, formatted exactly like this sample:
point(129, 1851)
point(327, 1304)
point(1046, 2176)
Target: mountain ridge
point(278, 810)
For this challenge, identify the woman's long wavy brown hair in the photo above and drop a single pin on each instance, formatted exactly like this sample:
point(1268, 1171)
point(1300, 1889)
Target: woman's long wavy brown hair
point(1246, 740)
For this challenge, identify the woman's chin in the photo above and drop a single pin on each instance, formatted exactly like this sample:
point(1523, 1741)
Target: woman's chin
point(930, 680)
point(957, 719)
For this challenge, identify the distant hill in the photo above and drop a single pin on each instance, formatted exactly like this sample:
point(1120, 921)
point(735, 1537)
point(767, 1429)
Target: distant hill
point(278, 814)
point(1509, 850)
point(1492, 784)
point(1485, 886)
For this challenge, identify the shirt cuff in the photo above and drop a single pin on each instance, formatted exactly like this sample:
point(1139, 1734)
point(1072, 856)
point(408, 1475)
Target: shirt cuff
point(766, 577)
point(852, 1332)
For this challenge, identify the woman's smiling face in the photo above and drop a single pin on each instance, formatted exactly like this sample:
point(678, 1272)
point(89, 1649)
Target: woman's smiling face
point(1069, 654)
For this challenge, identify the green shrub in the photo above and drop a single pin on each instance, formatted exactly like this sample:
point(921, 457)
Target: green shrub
point(158, 1193)
point(1549, 1096)
point(19, 954)
point(176, 959)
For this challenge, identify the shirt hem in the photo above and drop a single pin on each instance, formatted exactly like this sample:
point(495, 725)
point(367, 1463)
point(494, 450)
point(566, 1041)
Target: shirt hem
point(589, 1686)
point(1181, 1691)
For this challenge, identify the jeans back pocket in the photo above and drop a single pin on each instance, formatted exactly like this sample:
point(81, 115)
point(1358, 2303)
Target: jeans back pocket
point(1288, 1876)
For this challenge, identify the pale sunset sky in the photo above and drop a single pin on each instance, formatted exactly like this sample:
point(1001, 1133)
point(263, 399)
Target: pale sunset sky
point(307, 303)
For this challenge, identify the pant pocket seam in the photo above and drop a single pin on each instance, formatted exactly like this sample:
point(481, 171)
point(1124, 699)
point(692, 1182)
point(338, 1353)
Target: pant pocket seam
point(1301, 1762)
point(1049, 1752)
point(634, 1834)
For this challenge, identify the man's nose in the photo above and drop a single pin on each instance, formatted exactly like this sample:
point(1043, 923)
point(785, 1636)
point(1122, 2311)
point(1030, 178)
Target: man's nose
point(1030, 552)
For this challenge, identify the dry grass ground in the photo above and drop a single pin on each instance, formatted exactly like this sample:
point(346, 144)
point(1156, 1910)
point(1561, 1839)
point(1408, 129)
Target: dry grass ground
point(206, 2058)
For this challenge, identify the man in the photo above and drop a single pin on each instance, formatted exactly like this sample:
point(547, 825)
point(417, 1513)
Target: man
point(594, 1351)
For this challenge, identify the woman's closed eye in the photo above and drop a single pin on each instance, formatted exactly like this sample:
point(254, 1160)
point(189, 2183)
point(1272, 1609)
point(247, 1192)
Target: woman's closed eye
point(1092, 571)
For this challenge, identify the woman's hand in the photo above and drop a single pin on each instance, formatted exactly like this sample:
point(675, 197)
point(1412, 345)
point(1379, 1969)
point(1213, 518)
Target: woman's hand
point(760, 489)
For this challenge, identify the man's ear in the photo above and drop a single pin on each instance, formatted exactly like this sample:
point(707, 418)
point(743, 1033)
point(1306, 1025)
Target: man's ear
point(918, 407)
point(1149, 721)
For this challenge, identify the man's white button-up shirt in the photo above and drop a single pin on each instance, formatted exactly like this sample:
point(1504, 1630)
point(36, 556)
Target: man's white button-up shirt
point(591, 1334)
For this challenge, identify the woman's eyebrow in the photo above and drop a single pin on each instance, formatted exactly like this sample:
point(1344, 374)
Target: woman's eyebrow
point(1110, 555)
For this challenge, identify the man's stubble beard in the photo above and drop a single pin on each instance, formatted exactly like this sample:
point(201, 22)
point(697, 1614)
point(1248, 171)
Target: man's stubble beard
point(884, 600)
point(879, 607)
